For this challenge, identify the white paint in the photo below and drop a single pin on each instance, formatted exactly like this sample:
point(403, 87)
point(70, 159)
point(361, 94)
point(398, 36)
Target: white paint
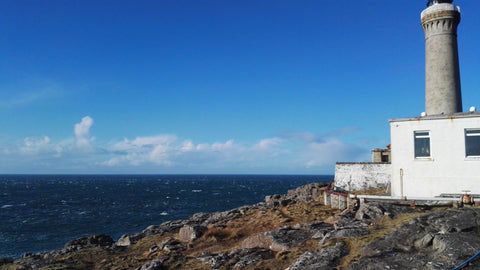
point(362, 175)
point(447, 170)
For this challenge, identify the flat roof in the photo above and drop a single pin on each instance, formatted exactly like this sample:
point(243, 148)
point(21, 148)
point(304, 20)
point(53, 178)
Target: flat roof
point(438, 117)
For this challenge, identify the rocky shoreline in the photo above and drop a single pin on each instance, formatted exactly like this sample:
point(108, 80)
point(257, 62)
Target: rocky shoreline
point(290, 231)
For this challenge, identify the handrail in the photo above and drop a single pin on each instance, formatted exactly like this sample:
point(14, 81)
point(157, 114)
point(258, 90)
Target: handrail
point(329, 191)
point(467, 261)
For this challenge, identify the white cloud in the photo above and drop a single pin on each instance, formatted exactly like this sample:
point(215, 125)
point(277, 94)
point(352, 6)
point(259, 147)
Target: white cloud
point(82, 133)
point(32, 146)
point(169, 152)
point(154, 149)
point(268, 144)
point(187, 146)
point(300, 152)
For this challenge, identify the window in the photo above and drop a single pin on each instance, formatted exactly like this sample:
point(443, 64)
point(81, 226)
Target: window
point(422, 144)
point(472, 142)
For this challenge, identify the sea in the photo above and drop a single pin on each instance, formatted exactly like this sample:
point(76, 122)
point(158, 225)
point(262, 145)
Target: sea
point(42, 212)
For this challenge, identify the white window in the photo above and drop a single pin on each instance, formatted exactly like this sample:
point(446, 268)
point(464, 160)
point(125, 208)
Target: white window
point(422, 144)
point(472, 142)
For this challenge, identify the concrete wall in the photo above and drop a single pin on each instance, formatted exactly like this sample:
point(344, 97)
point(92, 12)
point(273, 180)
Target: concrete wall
point(447, 170)
point(353, 176)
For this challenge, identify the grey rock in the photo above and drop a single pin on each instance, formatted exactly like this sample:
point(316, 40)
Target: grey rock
point(191, 232)
point(301, 194)
point(456, 221)
point(277, 240)
point(171, 244)
point(424, 241)
point(129, 239)
point(370, 211)
point(219, 216)
point(156, 264)
point(439, 240)
point(100, 240)
point(166, 227)
point(324, 259)
point(252, 256)
point(376, 210)
point(344, 233)
point(215, 260)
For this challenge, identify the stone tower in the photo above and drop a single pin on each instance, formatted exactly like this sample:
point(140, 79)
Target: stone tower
point(442, 75)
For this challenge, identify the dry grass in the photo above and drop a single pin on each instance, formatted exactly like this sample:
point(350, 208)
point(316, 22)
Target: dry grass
point(373, 191)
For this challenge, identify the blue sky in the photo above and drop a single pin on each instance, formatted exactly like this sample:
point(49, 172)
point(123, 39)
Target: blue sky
point(200, 86)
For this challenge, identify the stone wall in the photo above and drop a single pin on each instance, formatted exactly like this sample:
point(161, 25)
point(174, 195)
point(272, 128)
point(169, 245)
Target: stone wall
point(353, 176)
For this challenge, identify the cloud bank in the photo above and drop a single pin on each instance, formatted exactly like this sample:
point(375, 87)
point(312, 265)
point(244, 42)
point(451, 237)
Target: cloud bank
point(295, 152)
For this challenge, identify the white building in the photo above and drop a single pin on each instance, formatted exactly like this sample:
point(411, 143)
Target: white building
point(436, 155)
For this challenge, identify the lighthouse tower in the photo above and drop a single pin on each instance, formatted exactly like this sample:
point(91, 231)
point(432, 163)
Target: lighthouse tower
point(442, 75)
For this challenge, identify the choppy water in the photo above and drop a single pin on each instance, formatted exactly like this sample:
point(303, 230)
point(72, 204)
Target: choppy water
point(40, 213)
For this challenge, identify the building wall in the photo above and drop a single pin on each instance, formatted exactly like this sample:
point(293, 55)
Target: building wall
point(447, 170)
point(353, 176)
point(381, 155)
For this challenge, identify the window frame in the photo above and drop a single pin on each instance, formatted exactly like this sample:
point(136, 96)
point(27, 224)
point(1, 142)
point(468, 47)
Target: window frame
point(421, 134)
point(471, 132)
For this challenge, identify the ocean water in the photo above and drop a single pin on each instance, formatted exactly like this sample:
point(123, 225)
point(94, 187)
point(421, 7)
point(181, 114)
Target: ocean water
point(43, 212)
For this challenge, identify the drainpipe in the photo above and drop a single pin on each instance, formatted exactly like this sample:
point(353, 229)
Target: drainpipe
point(401, 183)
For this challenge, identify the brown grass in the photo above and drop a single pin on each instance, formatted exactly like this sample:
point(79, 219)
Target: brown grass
point(373, 191)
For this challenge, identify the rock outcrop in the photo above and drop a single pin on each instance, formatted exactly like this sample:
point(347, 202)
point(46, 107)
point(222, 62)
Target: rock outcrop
point(291, 231)
point(277, 240)
point(304, 193)
point(438, 240)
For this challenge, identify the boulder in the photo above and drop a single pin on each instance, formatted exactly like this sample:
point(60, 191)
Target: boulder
point(344, 233)
point(425, 241)
point(370, 211)
point(129, 239)
point(277, 240)
point(191, 232)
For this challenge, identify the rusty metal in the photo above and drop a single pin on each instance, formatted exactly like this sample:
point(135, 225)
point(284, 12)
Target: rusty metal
point(466, 199)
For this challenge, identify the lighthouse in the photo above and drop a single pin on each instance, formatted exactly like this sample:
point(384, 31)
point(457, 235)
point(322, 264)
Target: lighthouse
point(436, 154)
point(442, 74)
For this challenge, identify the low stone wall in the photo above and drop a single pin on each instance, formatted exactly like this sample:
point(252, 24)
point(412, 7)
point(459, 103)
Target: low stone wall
point(353, 176)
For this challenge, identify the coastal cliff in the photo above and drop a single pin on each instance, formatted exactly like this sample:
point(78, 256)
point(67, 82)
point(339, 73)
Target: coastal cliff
point(290, 231)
